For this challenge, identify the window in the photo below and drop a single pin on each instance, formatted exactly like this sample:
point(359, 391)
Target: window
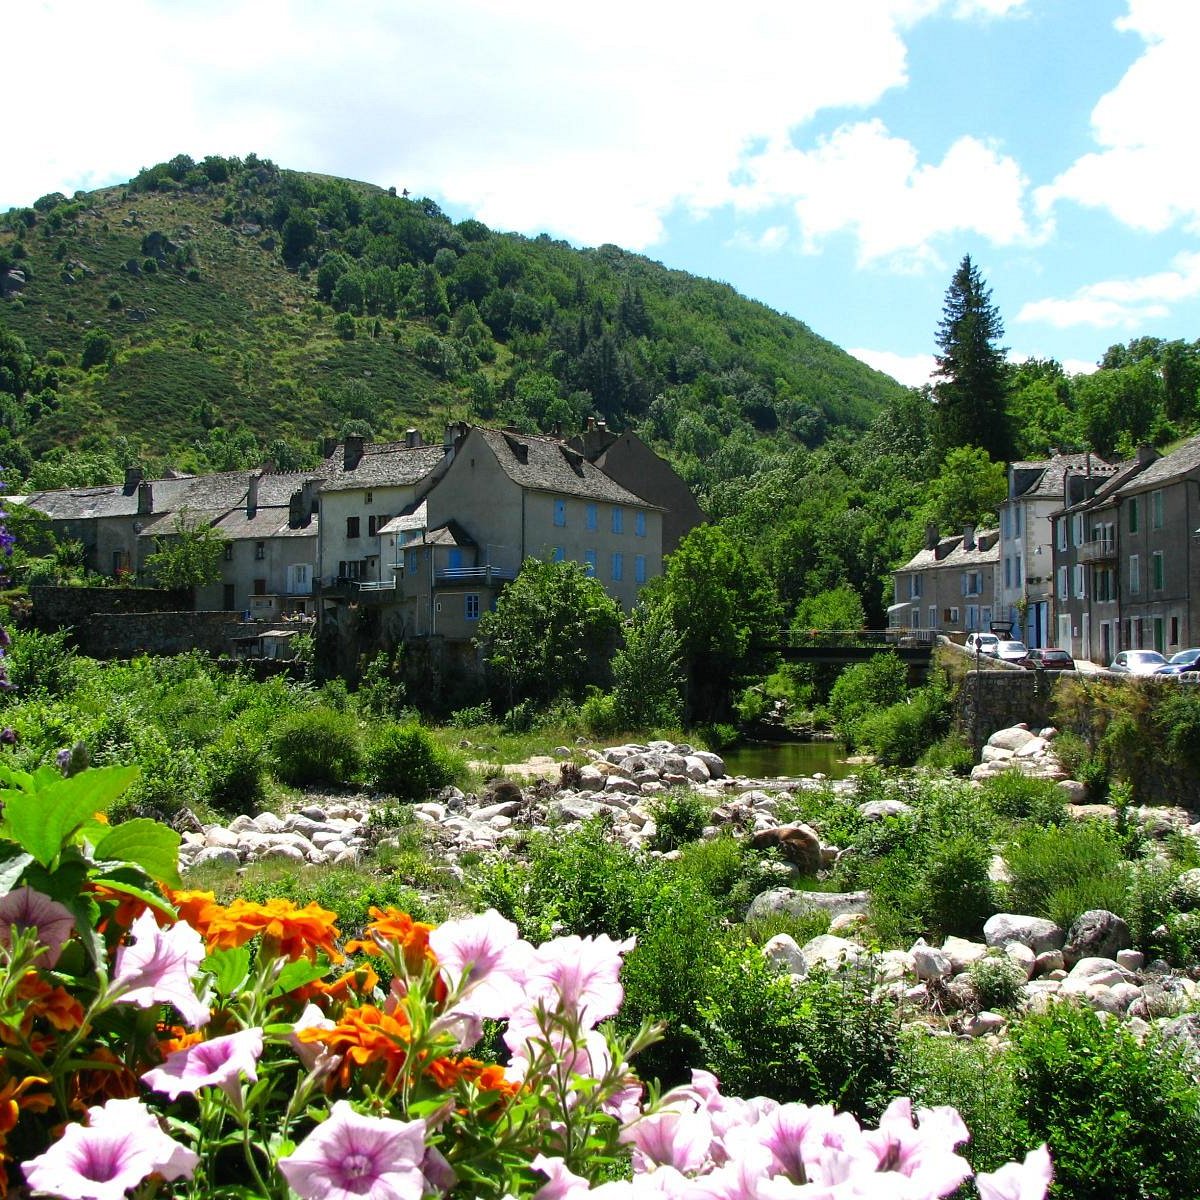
point(639, 524)
point(1135, 575)
point(1156, 509)
point(639, 568)
point(914, 587)
point(972, 583)
point(933, 616)
point(1174, 631)
point(260, 587)
point(591, 517)
point(1061, 525)
point(1018, 581)
point(618, 520)
point(375, 524)
point(916, 617)
point(618, 567)
point(260, 551)
point(228, 555)
point(589, 561)
point(1102, 584)
point(1077, 529)
point(1017, 521)
point(1007, 572)
point(1133, 514)
point(1080, 591)
point(471, 606)
point(1006, 521)
point(370, 497)
point(410, 561)
point(1063, 587)
point(560, 513)
point(559, 554)
point(972, 617)
point(1156, 570)
point(351, 527)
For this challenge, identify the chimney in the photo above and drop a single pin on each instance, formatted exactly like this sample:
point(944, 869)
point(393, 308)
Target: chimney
point(591, 424)
point(1146, 454)
point(412, 438)
point(968, 537)
point(296, 509)
point(252, 496)
point(931, 535)
point(133, 476)
point(328, 447)
point(602, 426)
point(352, 452)
point(558, 429)
point(145, 498)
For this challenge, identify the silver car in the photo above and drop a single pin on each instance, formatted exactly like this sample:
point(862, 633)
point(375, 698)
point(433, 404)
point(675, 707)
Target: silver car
point(1137, 662)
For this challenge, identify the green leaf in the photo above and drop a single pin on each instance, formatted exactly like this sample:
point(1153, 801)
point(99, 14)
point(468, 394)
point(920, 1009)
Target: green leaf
point(138, 893)
point(229, 969)
point(45, 821)
point(297, 974)
point(11, 869)
point(149, 844)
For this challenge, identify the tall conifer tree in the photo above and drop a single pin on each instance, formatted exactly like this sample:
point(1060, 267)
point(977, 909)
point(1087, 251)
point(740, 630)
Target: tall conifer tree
point(971, 391)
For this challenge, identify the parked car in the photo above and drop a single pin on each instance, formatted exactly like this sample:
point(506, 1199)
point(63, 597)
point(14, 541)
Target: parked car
point(1137, 662)
point(1043, 658)
point(982, 643)
point(1011, 652)
point(1185, 660)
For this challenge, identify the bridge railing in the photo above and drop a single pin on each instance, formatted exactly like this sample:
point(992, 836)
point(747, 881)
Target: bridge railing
point(799, 639)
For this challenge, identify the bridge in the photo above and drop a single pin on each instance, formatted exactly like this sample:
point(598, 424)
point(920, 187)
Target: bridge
point(844, 647)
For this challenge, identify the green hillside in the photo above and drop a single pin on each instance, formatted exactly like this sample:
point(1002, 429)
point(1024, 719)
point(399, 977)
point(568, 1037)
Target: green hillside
point(232, 309)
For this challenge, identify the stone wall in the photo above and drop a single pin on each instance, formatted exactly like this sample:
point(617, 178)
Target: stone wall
point(125, 635)
point(64, 607)
point(989, 700)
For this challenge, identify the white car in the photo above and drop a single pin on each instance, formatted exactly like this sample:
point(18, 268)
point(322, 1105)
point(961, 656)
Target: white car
point(982, 643)
point(1137, 662)
point(1011, 652)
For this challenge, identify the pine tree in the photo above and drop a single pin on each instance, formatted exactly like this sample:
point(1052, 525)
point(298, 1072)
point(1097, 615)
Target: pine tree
point(971, 395)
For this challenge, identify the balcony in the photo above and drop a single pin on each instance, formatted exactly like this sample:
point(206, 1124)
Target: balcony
point(1097, 550)
point(487, 576)
point(370, 590)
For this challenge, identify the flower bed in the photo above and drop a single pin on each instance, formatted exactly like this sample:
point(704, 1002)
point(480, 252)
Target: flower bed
point(159, 1041)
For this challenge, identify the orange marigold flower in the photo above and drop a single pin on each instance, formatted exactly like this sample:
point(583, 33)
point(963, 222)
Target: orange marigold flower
point(175, 1037)
point(196, 908)
point(108, 1078)
point(290, 931)
point(392, 925)
point(60, 1009)
point(362, 981)
point(128, 909)
point(364, 1037)
point(18, 1094)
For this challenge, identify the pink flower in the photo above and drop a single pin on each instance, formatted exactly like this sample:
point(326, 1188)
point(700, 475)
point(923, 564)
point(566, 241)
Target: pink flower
point(23, 908)
point(352, 1157)
point(561, 1183)
point(925, 1154)
point(120, 1146)
point(1018, 1181)
point(670, 1138)
point(484, 955)
point(217, 1063)
point(580, 974)
point(159, 967)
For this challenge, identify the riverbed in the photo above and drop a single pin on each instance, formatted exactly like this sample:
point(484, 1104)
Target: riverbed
point(767, 760)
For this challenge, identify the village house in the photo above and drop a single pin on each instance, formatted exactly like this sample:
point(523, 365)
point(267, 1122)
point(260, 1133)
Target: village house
point(949, 584)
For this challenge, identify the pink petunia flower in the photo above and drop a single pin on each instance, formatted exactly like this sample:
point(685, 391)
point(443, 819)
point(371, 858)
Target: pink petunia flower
point(352, 1157)
point(120, 1146)
point(581, 974)
point(159, 967)
point(676, 1138)
point(924, 1153)
point(313, 1054)
point(561, 1182)
point(1018, 1181)
point(23, 908)
point(485, 955)
point(217, 1063)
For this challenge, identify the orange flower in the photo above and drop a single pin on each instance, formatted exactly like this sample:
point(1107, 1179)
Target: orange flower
point(60, 1009)
point(107, 1079)
point(15, 1095)
point(487, 1077)
point(196, 908)
point(362, 980)
point(175, 1037)
point(392, 925)
point(364, 1037)
point(287, 930)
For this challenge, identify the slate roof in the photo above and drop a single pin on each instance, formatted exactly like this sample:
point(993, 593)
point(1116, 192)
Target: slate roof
point(1169, 468)
point(1106, 492)
point(549, 465)
point(413, 517)
point(986, 551)
point(1048, 477)
point(383, 464)
point(266, 523)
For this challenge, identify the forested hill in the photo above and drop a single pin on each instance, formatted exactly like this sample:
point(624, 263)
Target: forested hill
point(210, 314)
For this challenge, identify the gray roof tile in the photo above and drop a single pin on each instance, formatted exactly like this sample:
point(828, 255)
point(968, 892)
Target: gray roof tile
point(383, 464)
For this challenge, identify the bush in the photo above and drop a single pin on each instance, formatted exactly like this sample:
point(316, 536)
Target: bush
point(171, 779)
point(680, 816)
point(1018, 797)
point(997, 980)
point(599, 712)
point(233, 767)
point(864, 687)
point(959, 895)
point(406, 761)
point(952, 753)
point(318, 746)
point(900, 734)
point(1122, 1118)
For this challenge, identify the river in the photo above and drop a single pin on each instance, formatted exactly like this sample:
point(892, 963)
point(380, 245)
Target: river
point(765, 760)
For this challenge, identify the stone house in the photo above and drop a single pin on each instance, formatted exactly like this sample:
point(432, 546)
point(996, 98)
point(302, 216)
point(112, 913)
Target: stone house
point(1025, 569)
point(1087, 551)
point(949, 584)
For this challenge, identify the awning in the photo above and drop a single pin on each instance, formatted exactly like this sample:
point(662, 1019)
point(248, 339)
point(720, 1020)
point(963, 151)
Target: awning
point(897, 607)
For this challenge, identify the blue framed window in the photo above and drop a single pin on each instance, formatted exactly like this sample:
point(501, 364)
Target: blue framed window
point(618, 567)
point(410, 561)
point(639, 523)
point(589, 561)
point(559, 554)
point(560, 513)
point(639, 568)
point(591, 517)
point(618, 520)
point(471, 606)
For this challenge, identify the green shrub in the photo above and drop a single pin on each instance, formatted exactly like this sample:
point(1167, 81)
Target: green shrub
point(958, 893)
point(317, 746)
point(600, 713)
point(1178, 722)
point(1059, 873)
point(1018, 797)
point(998, 981)
point(406, 761)
point(729, 871)
point(171, 779)
point(952, 753)
point(234, 766)
point(800, 927)
point(1121, 1118)
point(900, 734)
point(680, 816)
point(865, 687)
point(41, 662)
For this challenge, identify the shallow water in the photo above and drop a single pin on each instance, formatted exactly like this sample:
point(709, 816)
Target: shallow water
point(765, 760)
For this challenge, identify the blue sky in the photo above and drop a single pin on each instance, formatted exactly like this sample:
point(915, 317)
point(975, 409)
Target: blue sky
point(834, 161)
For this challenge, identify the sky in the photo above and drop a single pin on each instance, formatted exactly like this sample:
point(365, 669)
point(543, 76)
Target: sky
point(834, 159)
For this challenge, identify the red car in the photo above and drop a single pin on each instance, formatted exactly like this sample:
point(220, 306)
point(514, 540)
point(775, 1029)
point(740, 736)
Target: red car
point(1047, 660)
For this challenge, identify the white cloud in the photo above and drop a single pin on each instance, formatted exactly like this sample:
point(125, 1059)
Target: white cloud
point(1145, 172)
point(1128, 303)
point(913, 370)
point(864, 180)
point(1079, 366)
point(773, 238)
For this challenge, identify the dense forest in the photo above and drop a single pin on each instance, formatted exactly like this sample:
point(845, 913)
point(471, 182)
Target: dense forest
point(217, 314)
